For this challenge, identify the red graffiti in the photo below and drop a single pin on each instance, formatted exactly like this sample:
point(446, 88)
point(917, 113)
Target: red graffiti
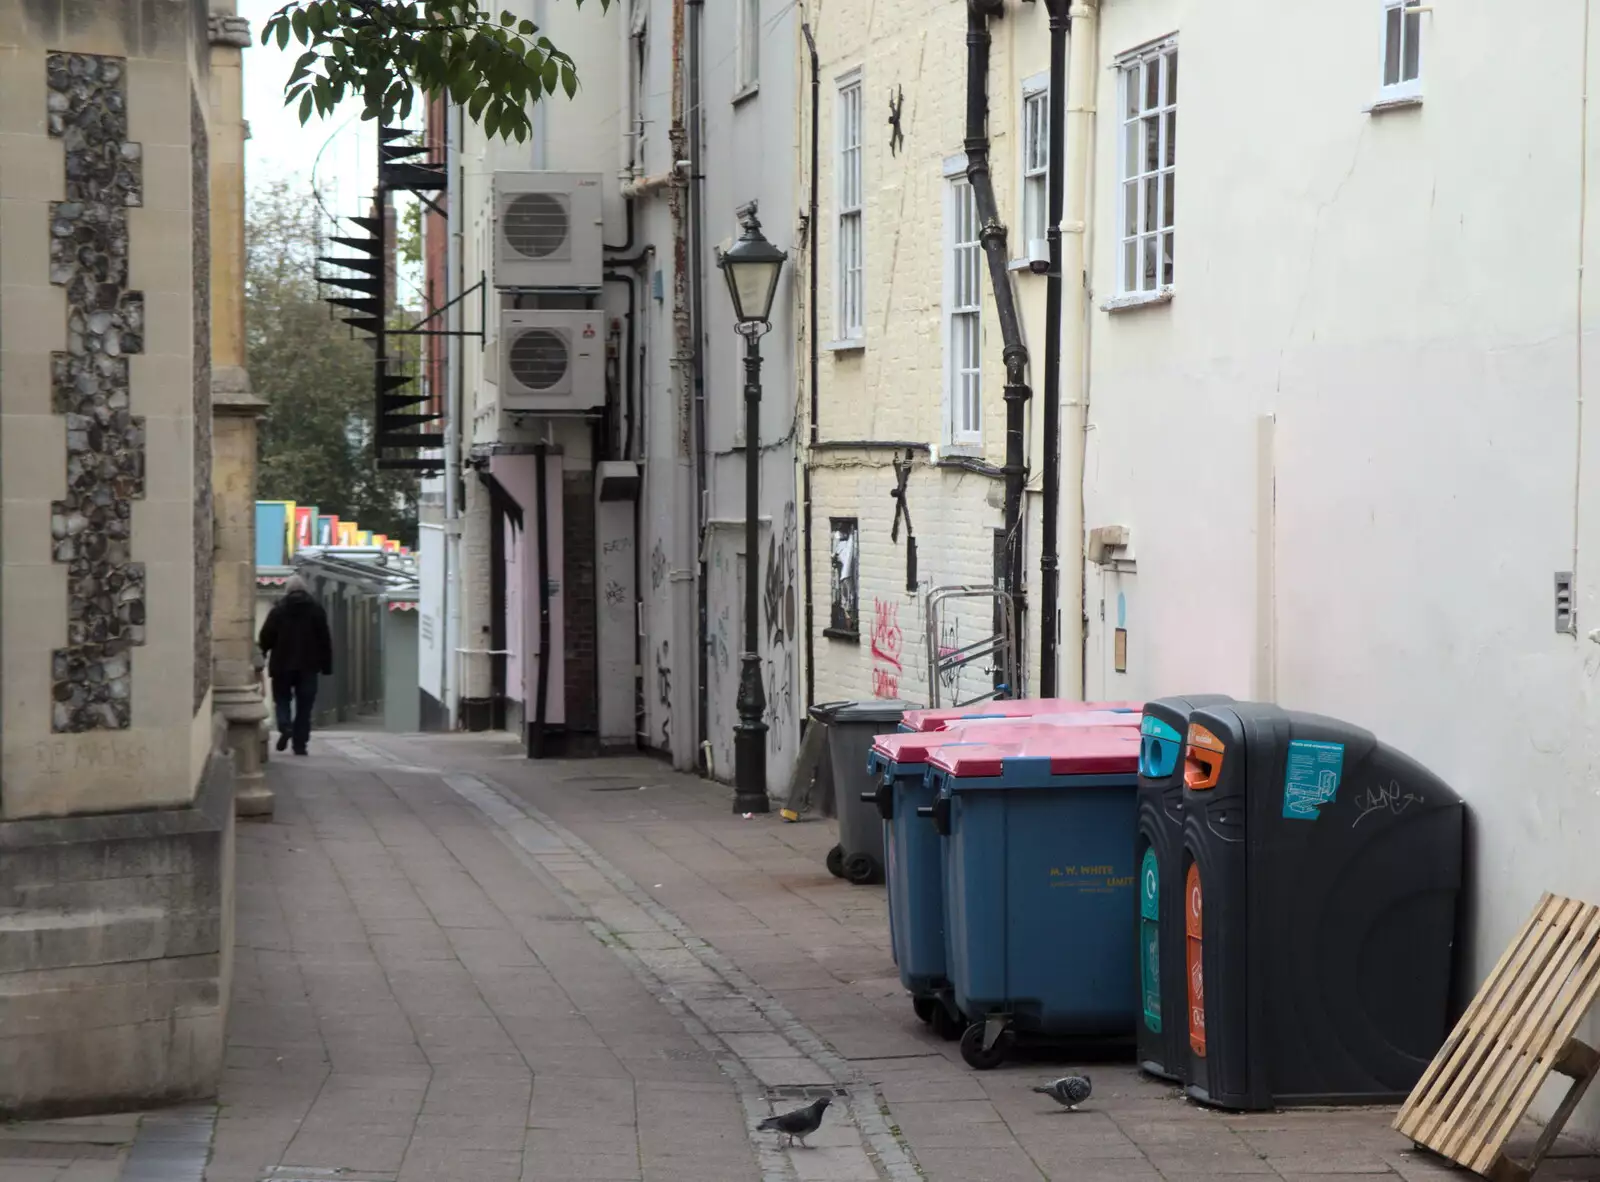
point(886, 637)
point(887, 642)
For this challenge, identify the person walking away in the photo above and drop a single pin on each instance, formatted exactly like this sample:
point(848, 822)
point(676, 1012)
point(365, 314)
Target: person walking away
point(299, 648)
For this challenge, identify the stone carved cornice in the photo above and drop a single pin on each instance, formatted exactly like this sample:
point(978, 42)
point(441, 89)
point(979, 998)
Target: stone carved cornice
point(230, 30)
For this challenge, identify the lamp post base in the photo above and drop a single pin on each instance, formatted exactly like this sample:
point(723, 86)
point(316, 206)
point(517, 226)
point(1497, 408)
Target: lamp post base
point(751, 802)
point(750, 741)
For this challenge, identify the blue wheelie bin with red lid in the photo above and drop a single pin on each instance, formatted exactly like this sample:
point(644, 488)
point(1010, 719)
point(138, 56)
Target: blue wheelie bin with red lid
point(912, 855)
point(1040, 886)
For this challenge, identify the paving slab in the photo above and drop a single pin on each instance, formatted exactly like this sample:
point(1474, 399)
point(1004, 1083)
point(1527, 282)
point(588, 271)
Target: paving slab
point(457, 964)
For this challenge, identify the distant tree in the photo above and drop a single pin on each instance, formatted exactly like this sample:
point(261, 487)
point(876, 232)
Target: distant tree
point(384, 52)
point(315, 374)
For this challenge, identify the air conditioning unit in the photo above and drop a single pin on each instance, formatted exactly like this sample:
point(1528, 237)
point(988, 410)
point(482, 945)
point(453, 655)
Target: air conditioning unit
point(552, 362)
point(547, 230)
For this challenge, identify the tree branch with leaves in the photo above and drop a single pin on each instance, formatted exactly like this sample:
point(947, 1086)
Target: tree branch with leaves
point(384, 52)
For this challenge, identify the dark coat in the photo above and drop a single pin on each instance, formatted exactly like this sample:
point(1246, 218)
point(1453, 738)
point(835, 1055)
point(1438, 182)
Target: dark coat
point(295, 637)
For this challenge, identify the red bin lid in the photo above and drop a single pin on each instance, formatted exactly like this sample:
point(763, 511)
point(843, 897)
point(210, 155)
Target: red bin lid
point(1071, 751)
point(906, 747)
point(938, 719)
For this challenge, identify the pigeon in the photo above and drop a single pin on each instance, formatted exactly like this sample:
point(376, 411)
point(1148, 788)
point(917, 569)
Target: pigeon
point(800, 1123)
point(1069, 1091)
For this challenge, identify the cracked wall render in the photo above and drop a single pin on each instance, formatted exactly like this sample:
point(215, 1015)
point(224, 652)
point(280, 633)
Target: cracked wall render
point(91, 526)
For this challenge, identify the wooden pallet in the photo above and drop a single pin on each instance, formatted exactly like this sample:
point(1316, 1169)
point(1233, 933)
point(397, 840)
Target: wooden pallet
point(1518, 1029)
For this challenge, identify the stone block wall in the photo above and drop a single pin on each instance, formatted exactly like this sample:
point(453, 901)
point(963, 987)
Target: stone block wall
point(104, 406)
point(116, 822)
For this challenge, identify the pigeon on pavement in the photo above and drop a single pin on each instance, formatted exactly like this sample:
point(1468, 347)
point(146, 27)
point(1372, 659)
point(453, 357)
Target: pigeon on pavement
point(800, 1123)
point(1069, 1091)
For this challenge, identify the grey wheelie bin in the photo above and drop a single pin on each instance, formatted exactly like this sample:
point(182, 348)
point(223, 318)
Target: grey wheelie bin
point(851, 728)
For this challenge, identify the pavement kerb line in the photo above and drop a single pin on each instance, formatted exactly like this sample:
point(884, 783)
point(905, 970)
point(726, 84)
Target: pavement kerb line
point(511, 816)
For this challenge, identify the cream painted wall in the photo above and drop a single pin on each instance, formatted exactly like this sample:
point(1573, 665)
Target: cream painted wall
point(576, 135)
point(893, 388)
point(1401, 292)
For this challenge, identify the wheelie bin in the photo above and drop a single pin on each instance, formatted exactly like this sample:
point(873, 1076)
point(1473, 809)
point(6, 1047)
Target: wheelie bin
point(912, 855)
point(937, 719)
point(851, 728)
point(1163, 1031)
point(1322, 870)
point(1040, 887)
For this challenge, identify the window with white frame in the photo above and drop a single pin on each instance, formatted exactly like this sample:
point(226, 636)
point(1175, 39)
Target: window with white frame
point(1149, 172)
point(749, 44)
point(963, 312)
point(1035, 168)
point(1402, 50)
point(851, 245)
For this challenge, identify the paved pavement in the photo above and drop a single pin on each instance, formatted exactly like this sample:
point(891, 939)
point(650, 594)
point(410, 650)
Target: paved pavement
point(457, 965)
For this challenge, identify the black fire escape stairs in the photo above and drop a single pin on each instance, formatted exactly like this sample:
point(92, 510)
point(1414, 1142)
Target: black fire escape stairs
point(401, 415)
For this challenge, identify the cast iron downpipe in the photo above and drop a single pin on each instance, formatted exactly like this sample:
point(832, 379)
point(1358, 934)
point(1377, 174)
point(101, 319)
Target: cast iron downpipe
point(541, 707)
point(992, 233)
point(697, 250)
point(1049, 561)
point(812, 232)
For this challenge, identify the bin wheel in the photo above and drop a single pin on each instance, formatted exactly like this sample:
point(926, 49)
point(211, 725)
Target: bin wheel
point(861, 869)
point(976, 1057)
point(947, 1025)
point(927, 1008)
point(835, 862)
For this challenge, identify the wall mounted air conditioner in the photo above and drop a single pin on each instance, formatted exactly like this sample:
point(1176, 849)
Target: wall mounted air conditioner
point(552, 362)
point(547, 230)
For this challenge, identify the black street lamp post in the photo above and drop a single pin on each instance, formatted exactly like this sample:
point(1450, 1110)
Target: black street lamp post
point(751, 266)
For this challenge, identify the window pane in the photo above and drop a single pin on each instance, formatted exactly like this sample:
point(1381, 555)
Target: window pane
point(1172, 77)
point(1166, 259)
point(1151, 159)
point(1147, 274)
point(1130, 265)
point(1172, 138)
point(1130, 208)
point(1169, 184)
point(1130, 150)
point(1391, 46)
point(1132, 83)
point(1152, 203)
point(1413, 47)
point(1152, 83)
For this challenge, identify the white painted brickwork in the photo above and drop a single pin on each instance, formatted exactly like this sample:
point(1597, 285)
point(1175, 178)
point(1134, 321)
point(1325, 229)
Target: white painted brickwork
point(893, 389)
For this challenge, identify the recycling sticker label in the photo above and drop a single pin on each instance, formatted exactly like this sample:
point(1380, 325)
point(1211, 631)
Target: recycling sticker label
point(1311, 779)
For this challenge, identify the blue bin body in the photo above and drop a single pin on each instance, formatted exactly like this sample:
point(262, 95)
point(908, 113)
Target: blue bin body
point(912, 870)
point(1041, 895)
point(913, 849)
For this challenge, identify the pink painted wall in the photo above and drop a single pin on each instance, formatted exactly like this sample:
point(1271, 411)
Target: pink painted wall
point(517, 474)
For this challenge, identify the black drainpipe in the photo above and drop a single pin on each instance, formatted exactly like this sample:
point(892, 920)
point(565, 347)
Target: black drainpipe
point(812, 232)
point(542, 697)
point(696, 193)
point(1049, 562)
point(993, 236)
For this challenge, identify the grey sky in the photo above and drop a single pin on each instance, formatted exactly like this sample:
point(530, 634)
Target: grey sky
point(338, 155)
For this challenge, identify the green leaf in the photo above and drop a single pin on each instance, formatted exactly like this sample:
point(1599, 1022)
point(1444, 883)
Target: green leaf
point(283, 33)
point(569, 80)
point(305, 109)
point(302, 31)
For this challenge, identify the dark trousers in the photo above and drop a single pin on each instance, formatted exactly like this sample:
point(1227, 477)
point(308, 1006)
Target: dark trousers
point(296, 692)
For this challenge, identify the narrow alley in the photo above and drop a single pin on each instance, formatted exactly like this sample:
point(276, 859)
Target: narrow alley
point(456, 965)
